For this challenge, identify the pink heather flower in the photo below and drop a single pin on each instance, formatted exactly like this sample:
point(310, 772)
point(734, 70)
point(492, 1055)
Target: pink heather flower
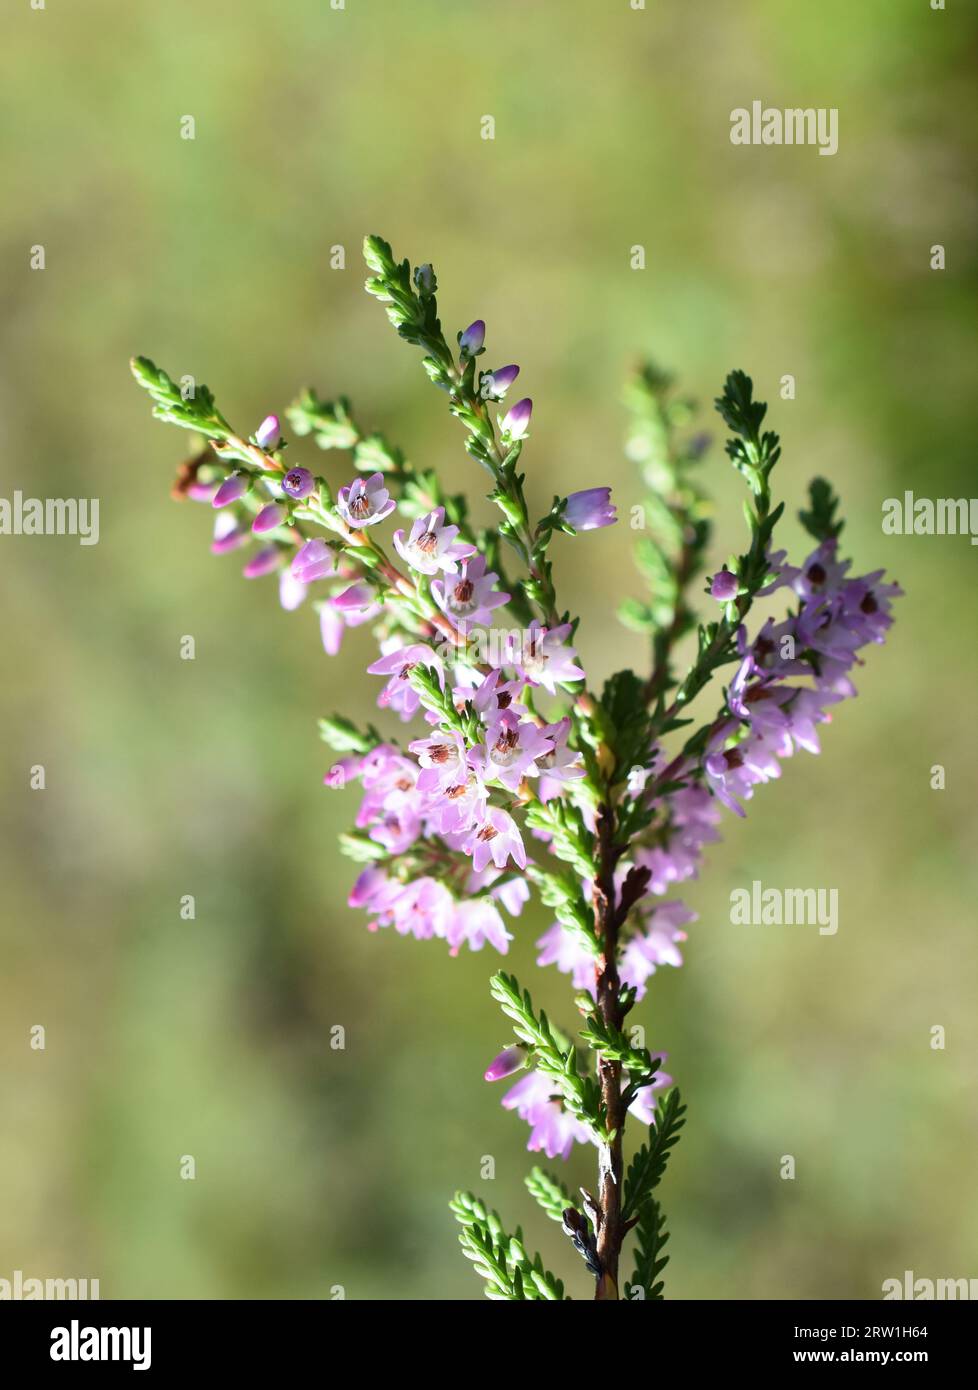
point(399, 694)
point(477, 921)
point(442, 759)
point(770, 649)
point(342, 772)
point(590, 510)
point(561, 947)
point(263, 562)
point(397, 830)
point(372, 887)
point(724, 586)
point(461, 806)
point(389, 783)
point(822, 574)
point(866, 604)
point(349, 609)
point(269, 517)
point(202, 492)
point(517, 420)
point(314, 560)
point(495, 384)
point(544, 660)
point(355, 599)
point(694, 815)
point(735, 771)
point(561, 765)
point(511, 749)
point(298, 483)
point(228, 535)
point(783, 575)
point(470, 342)
point(431, 545)
point(468, 596)
point(497, 839)
point(422, 909)
point(805, 709)
point(291, 591)
point(267, 432)
point(513, 893)
point(760, 702)
point(331, 628)
point(510, 1060)
point(233, 487)
point(643, 1106)
point(365, 501)
point(552, 1129)
point(494, 694)
point(656, 945)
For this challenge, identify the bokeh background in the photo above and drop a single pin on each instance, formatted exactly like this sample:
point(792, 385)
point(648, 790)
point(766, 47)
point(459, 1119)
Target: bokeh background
point(317, 1167)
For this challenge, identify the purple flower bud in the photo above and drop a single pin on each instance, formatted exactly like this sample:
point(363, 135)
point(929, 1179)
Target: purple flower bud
point(510, 1060)
point(724, 586)
point(298, 483)
point(516, 421)
point(356, 597)
point(233, 487)
point(497, 383)
point(267, 432)
point(262, 562)
point(291, 591)
point(228, 535)
point(314, 561)
point(591, 509)
point(342, 772)
point(470, 342)
point(269, 517)
point(331, 628)
point(201, 492)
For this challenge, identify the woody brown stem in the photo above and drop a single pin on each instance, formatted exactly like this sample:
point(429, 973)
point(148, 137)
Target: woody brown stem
point(610, 1232)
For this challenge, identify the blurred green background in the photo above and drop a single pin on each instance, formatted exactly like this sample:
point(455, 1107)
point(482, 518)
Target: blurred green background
point(165, 777)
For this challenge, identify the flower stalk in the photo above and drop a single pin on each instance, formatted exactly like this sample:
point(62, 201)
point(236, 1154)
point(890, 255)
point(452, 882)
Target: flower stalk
point(520, 774)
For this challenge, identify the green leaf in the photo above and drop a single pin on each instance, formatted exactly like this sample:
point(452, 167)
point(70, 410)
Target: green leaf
point(819, 520)
point(329, 422)
point(649, 1164)
point(651, 1236)
point(511, 1275)
point(549, 1193)
point(192, 409)
point(343, 736)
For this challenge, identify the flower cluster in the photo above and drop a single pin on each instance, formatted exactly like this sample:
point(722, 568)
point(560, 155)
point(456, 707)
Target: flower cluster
point(504, 768)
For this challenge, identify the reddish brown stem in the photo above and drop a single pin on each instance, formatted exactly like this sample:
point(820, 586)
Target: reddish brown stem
point(610, 1232)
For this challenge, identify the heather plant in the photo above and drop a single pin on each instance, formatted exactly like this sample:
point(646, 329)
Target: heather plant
point(515, 774)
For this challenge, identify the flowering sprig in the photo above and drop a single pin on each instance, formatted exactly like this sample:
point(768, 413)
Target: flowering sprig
point(518, 773)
